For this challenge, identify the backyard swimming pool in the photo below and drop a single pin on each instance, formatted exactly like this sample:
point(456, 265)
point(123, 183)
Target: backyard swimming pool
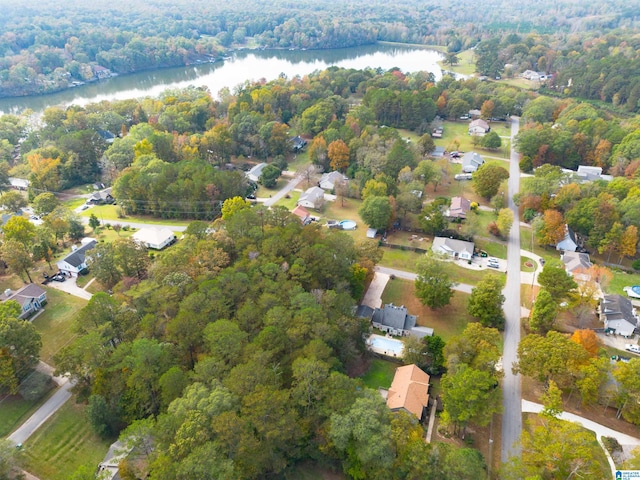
point(385, 345)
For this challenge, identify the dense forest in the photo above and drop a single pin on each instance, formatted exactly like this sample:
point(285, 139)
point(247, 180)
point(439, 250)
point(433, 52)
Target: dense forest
point(47, 46)
point(594, 66)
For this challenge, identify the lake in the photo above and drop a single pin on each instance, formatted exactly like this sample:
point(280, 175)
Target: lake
point(239, 67)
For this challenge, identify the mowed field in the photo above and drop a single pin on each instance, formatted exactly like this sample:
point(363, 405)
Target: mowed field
point(64, 443)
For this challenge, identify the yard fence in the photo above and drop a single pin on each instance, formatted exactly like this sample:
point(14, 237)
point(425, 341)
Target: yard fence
point(403, 247)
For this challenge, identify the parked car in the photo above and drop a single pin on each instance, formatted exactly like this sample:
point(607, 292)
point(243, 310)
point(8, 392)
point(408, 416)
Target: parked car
point(84, 207)
point(630, 347)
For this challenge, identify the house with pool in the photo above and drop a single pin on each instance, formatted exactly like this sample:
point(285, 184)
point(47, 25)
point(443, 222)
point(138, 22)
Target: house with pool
point(394, 320)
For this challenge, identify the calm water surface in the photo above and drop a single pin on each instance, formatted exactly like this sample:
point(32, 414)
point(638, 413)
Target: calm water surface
point(242, 66)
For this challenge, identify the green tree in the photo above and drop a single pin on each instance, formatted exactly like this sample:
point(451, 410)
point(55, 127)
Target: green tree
point(628, 376)
point(491, 141)
point(556, 449)
point(104, 265)
point(477, 346)
point(376, 212)
point(45, 203)
point(13, 201)
point(94, 222)
point(9, 457)
point(550, 357)
point(504, 221)
point(552, 401)
point(469, 396)
point(269, 176)
point(362, 435)
point(234, 205)
point(131, 257)
point(555, 280)
point(374, 188)
point(432, 219)
point(485, 302)
point(17, 257)
point(426, 145)
point(426, 352)
point(487, 180)
point(544, 313)
point(433, 285)
point(20, 230)
point(20, 345)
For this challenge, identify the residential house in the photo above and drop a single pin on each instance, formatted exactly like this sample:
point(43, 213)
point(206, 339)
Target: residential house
point(102, 197)
point(588, 173)
point(328, 181)
point(458, 249)
point(75, 262)
point(302, 213)
point(101, 72)
point(458, 209)
point(155, 238)
point(109, 468)
point(534, 76)
point(479, 127)
point(18, 183)
point(409, 391)
point(31, 298)
point(577, 265)
point(471, 161)
point(569, 243)
point(618, 315)
point(475, 113)
point(298, 143)
point(107, 136)
point(393, 319)
point(255, 172)
point(312, 198)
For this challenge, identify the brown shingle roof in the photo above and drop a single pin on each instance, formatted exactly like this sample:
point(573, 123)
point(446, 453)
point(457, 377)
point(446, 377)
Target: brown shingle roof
point(409, 390)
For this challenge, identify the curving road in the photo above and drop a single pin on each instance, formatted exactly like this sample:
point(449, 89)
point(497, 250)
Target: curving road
point(511, 391)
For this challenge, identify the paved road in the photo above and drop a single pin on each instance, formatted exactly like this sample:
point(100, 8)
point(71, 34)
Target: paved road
point(291, 184)
point(461, 287)
point(51, 406)
point(511, 400)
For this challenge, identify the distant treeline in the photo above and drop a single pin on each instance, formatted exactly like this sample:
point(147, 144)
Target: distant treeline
point(48, 46)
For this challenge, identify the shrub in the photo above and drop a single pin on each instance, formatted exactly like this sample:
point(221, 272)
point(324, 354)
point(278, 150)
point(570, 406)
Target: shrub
point(636, 264)
point(35, 386)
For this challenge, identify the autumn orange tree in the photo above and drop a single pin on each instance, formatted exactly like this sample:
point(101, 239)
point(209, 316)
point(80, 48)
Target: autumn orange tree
point(588, 340)
point(339, 155)
point(551, 228)
point(45, 175)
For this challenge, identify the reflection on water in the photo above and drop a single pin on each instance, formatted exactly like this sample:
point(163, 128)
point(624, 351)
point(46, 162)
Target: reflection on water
point(241, 66)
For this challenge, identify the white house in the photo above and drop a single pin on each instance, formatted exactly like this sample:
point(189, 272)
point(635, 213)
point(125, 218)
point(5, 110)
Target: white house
point(618, 315)
point(76, 261)
point(156, 238)
point(328, 181)
point(479, 127)
point(453, 248)
point(312, 198)
point(577, 265)
point(255, 172)
point(18, 183)
point(471, 162)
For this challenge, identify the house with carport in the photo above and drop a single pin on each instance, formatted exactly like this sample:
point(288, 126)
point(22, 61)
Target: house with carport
point(312, 198)
point(478, 128)
point(328, 181)
point(471, 162)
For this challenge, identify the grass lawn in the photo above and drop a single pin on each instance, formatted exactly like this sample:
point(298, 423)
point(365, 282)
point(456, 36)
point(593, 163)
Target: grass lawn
point(109, 214)
point(264, 192)
point(74, 203)
point(526, 265)
point(380, 374)
point(291, 202)
point(493, 248)
point(465, 275)
point(10, 281)
point(465, 65)
point(447, 322)
point(400, 259)
point(55, 323)
point(14, 410)
point(64, 443)
point(620, 280)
